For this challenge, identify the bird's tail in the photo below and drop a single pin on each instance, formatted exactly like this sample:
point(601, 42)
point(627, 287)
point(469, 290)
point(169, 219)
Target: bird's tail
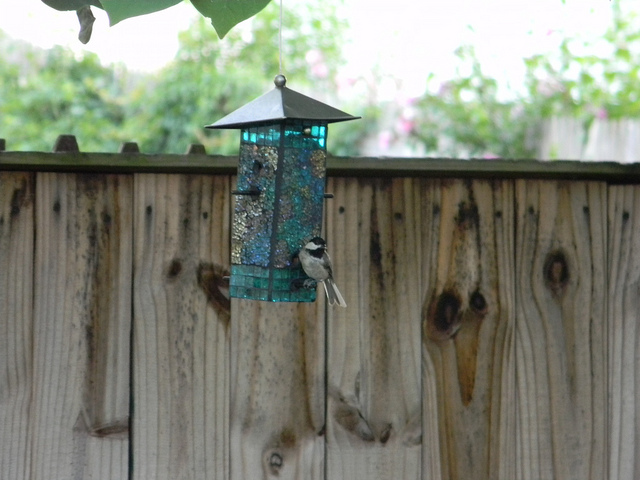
point(333, 294)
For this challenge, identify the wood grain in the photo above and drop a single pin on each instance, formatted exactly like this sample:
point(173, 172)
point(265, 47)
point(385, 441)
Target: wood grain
point(81, 327)
point(16, 321)
point(468, 305)
point(623, 313)
point(277, 396)
point(491, 333)
point(374, 423)
point(561, 330)
point(181, 322)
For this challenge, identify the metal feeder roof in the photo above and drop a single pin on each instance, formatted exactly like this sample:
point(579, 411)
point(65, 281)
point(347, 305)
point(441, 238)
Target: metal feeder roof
point(280, 104)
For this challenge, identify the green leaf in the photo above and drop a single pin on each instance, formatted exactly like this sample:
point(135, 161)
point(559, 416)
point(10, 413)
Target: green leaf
point(65, 5)
point(624, 54)
point(226, 14)
point(119, 10)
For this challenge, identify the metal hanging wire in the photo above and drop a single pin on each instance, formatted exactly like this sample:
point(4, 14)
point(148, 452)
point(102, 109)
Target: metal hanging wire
point(280, 39)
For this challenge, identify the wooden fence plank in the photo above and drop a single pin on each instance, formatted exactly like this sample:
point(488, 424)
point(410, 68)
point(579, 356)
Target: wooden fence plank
point(468, 323)
point(277, 379)
point(374, 424)
point(81, 327)
point(623, 316)
point(561, 330)
point(612, 139)
point(561, 138)
point(16, 321)
point(181, 317)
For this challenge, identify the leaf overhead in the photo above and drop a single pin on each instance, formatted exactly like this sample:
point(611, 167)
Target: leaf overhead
point(119, 10)
point(65, 5)
point(226, 14)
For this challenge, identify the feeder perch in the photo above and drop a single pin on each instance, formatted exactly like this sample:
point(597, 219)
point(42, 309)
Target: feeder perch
point(280, 192)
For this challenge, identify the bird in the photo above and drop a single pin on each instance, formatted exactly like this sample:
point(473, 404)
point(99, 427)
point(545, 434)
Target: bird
point(317, 264)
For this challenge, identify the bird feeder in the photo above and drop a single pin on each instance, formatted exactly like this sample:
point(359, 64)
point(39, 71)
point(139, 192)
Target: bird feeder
point(280, 192)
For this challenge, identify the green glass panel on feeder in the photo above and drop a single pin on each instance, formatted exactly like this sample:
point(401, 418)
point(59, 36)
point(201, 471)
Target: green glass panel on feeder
point(280, 192)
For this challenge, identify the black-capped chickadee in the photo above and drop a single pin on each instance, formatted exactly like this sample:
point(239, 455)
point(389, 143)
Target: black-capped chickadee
point(317, 264)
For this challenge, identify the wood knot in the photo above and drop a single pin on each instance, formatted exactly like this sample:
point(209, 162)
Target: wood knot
point(175, 267)
point(214, 281)
point(443, 316)
point(385, 434)
point(277, 448)
point(106, 219)
point(556, 272)
point(348, 416)
point(468, 215)
point(275, 462)
point(478, 303)
point(20, 199)
point(115, 429)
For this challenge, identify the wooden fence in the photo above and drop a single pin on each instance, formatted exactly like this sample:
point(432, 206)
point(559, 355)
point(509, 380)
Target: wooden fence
point(603, 139)
point(491, 331)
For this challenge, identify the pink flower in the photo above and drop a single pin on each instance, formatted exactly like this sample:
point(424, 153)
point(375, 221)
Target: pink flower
point(405, 126)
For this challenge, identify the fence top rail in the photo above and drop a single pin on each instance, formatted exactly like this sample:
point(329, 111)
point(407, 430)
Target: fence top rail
point(201, 163)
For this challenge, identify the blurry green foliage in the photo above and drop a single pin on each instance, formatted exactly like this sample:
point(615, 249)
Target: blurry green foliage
point(589, 79)
point(210, 78)
point(466, 118)
point(47, 93)
point(584, 79)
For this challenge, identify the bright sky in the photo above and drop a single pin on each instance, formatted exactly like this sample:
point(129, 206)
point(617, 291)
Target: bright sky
point(406, 38)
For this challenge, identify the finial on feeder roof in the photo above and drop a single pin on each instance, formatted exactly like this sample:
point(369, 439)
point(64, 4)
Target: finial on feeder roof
point(281, 104)
point(280, 81)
